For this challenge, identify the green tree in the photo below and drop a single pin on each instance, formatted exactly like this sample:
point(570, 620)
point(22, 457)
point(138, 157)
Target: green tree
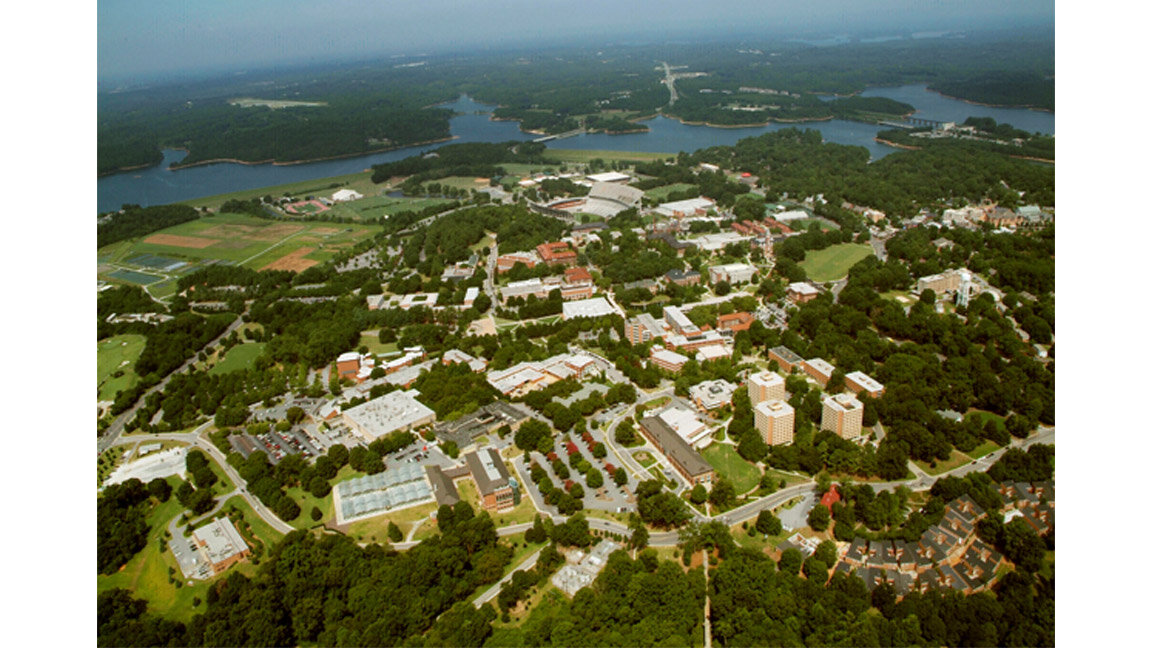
point(819, 518)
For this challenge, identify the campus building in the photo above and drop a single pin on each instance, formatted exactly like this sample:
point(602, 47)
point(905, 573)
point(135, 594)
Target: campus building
point(694, 468)
point(776, 421)
point(556, 253)
point(668, 360)
point(733, 273)
point(712, 394)
point(397, 410)
point(843, 414)
point(221, 544)
point(492, 479)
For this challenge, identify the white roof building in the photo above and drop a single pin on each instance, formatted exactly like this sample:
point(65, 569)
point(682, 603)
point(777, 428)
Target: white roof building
point(611, 176)
point(711, 394)
point(398, 410)
point(684, 208)
point(687, 425)
point(732, 272)
point(344, 195)
point(593, 307)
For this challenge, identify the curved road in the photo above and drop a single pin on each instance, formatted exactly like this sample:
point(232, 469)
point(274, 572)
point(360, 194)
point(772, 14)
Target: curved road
point(110, 436)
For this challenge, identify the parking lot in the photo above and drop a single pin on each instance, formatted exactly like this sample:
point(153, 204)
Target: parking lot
point(608, 497)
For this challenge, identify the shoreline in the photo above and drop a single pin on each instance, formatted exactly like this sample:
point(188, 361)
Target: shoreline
point(988, 105)
point(905, 147)
point(757, 125)
point(273, 162)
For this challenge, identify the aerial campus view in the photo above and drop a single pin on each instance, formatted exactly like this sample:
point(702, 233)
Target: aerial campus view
point(556, 329)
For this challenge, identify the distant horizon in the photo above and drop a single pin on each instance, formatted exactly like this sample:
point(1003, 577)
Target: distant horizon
point(141, 43)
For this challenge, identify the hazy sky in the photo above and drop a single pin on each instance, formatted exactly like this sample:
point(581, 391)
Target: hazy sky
point(156, 37)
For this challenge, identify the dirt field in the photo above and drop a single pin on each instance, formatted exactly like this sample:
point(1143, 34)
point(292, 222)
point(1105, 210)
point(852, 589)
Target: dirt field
point(292, 261)
point(325, 231)
point(180, 241)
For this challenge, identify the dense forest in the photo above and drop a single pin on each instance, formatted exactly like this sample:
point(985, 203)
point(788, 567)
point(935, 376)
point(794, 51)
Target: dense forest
point(136, 221)
point(798, 163)
point(367, 108)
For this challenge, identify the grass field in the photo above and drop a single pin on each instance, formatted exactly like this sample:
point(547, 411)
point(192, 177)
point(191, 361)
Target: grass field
point(238, 357)
point(116, 354)
point(234, 239)
point(375, 529)
point(832, 263)
point(660, 193)
point(954, 460)
point(983, 449)
point(371, 339)
point(360, 181)
point(732, 467)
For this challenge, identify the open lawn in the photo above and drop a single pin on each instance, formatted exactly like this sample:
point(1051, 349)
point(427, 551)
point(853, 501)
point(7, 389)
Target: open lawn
point(732, 467)
point(983, 449)
point(116, 355)
point(360, 181)
point(661, 193)
point(954, 460)
point(238, 357)
point(833, 263)
point(371, 339)
point(375, 529)
point(758, 542)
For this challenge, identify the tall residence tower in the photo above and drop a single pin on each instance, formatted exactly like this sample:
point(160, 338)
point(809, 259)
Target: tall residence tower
point(765, 386)
point(776, 421)
point(843, 414)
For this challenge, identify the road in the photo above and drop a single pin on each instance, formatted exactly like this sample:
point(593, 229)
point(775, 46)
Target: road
point(108, 439)
point(199, 439)
point(494, 591)
point(670, 81)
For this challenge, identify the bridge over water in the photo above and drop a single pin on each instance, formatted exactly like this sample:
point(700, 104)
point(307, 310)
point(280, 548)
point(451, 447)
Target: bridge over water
point(914, 122)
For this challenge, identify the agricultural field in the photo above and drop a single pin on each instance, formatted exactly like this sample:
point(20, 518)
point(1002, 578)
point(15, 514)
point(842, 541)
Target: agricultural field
point(833, 263)
point(116, 355)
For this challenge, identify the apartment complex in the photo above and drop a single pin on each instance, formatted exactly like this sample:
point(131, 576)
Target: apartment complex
point(786, 358)
point(859, 381)
point(820, 369)
point(844, 415)
point(765, 386)
point(776, 421)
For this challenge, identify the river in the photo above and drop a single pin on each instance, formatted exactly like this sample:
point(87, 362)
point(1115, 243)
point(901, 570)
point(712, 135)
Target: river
point(159, 185)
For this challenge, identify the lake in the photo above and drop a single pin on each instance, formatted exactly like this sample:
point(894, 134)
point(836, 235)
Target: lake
point(159, 185)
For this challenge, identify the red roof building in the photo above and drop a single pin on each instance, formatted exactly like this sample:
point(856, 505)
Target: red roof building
point(830, 498)
point(558, 252)
point(734, 322)
point(577, 275)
